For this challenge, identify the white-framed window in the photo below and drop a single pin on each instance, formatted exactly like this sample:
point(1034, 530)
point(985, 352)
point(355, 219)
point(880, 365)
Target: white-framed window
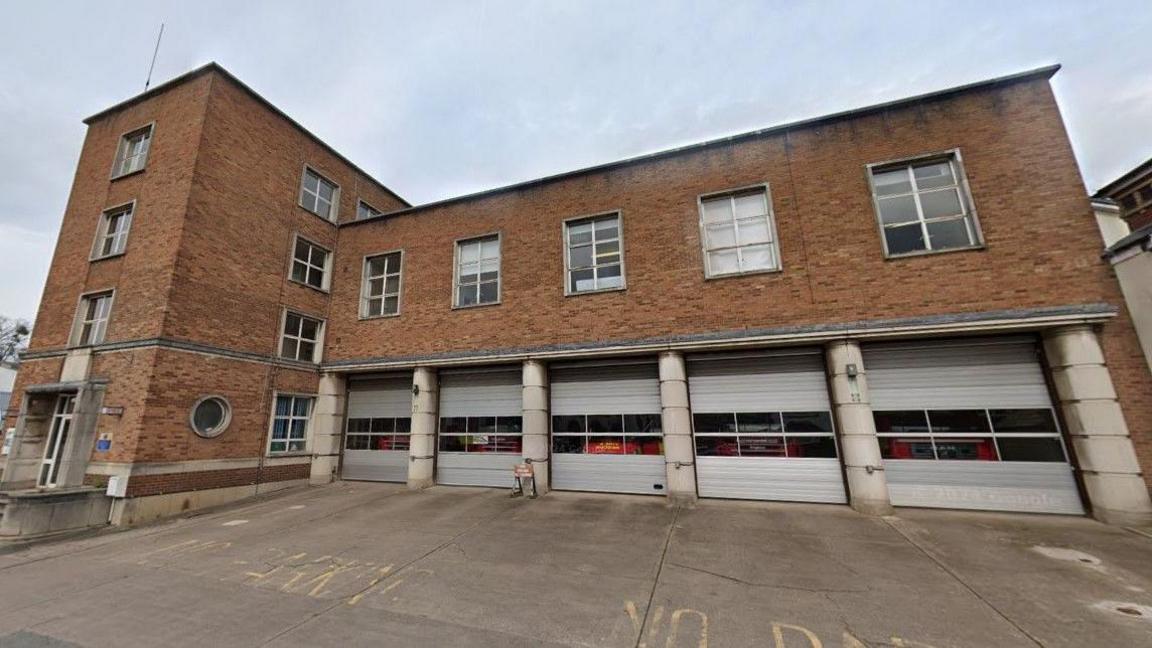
point(364, 210)
point(132, 151)
point(112, 232)
point(594, 254)
point(380, 291)
point(319, 195)
point(290, 417)
point(923, 205)
point(92, 318)
point(477, 271)
point(738, 232)
point(310, 264)
point(301, 337)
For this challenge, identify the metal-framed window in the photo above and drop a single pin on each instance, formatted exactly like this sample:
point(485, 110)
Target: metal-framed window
point(477, 276)
point(593, 254)
point(364, 210)
point(210, 416)
point(378, 434)
point(1026, 434)
point(626, 434)
point(92, 318)
point(290, 419)
point(923, 205)
point(310, 264)
point(738, 232)
point(380, 287)
point(487, 434)
point(765, 434)
point(112, 232)
point(301, 337)
point(319, 195)
point(132, 151)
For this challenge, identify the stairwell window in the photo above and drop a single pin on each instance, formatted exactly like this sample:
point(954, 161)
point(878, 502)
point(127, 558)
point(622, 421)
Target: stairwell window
point(132, 152)
point(923, 205)
point(319, 195)
point(738, 232)
point(301, 338)
point(380, 292)
point(477, 271)
point(112, 232)
point(310, 264)
point(92, 318)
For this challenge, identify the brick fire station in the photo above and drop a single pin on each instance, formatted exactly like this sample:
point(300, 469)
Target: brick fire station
point(899, 305)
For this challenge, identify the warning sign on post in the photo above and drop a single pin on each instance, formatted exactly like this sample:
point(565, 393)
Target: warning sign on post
point(523, 470)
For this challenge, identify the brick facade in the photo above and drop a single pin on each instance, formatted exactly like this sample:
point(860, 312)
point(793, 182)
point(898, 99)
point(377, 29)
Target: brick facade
point(204, 282)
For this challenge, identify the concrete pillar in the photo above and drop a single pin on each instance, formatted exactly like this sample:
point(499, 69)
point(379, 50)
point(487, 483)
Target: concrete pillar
point(859, 447)
point(328, 427)
point(1115, 487)
point(535, 412)
point(676, 419)
point(425, 417)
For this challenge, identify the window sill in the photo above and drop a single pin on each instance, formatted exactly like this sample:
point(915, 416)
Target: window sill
point(330, 221)
point(598, 291)
point(471, 306)
point(750, 273)
point(128, 175)
point(324, 291)
point(106, 257)
point(288, 455)
point(368, 318)
point(912, 255)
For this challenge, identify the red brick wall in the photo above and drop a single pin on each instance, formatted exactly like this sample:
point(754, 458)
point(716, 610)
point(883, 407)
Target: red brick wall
point(32, 372)
point(143, 485)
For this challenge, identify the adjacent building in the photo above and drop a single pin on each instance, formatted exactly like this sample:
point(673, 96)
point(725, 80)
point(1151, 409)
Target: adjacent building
point(901, 305)
point(1132, 192)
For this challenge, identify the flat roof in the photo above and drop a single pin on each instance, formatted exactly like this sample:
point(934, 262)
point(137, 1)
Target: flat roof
point(213, 66)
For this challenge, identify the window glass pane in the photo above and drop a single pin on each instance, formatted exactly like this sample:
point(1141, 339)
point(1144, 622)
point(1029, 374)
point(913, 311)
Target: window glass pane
point(610, 277)
point(470, 273)
point(605, 445)
point(299, 272)
point(300, 407)
point(647, 423)
point(301, 250)
point(904, 239)
point(315, 278)
point(467, 295)
point(599, 423)
point(723, 262)
point(648, 446)
point(723, 235)
point(965, 449)
point(283, 405)
point(208, 415)
point(821, 446)
point(307, 351)
point(1030, 449)
point(356, 442)
point(717, 446)
point(482, 424)
point(580, 257)
point(562, 424)
point(891, 182)
point(568, 444)
point(469, 252)
point(607, 249)
point(757, 257)
point(277, 446)
point(904, 422)
point(489, 292)
point(752, 423)
point(901, 209)
point(583, 280)
point(401, 442)
point(607, 229)
point(754, 231)
point(376, 266)
point(1023, 420)
point(808, 422)
point(905, 448)
point(579, 233)
point(309, 328)
point(718, 210)
point(392, 285)
point(714, 423)
point(490, 248)
point(375, 307)
point(288, 348)
point(359, 425)
point(280, 429)
point(489, 269)
point(761, 446)
point(958, 421)
point(383, 425)
point(403, 425)
point(949, 234)
point(393, 262)
point(453, 425)
point(509, 425)
point(941, 203)
point(452, 444)
point(391, 305)
point(937, 174)
point(508, 444)
point(751, 204)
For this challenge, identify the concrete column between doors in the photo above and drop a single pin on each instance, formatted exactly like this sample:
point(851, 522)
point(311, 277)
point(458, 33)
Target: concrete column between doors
point(328, 426)
point(676, 419)
point(536, 420)
point(425, 416)
point(859, 446)
point(1115, 487)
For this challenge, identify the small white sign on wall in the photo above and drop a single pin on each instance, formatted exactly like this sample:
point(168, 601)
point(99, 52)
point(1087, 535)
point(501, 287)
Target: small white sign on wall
point(9, 435)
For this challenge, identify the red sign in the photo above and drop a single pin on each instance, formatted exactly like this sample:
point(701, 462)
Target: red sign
point(523, 470)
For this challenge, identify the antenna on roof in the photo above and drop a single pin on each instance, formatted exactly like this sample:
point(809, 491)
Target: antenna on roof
point(156, 51)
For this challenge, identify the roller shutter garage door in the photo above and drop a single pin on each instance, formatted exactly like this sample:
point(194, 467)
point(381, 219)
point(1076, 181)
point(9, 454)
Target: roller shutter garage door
point(378, 429)
point(969, 424)
point(763, 429)
point(606, 428)
point(480, 436)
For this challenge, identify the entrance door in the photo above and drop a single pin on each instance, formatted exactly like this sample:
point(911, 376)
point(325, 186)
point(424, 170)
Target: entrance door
point(57, 440)
point(379, 429)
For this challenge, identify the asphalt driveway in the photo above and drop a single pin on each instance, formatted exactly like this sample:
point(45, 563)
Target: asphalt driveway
point(357, 564)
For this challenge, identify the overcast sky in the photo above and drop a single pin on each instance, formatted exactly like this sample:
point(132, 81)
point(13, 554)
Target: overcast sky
point(441, 98)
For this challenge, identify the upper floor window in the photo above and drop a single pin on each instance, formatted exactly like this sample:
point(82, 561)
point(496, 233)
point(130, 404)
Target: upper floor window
point(319, 195)
point(364, 210)
point(301, 337)
point(738, 233)
point(924, 206)
point(132, 153)
point(92, 318)
point(380, 294)
point(594, 254)
point(478, 271)
point(112, 233)
point(310, 264)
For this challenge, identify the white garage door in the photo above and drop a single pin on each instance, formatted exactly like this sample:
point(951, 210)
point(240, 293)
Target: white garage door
point(480, 436)
point(379, 426)
point(969, 424)
point(763, 427)
point(606, 429)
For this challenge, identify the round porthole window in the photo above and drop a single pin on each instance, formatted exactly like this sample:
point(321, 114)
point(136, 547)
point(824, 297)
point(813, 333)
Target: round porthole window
point(210, 416)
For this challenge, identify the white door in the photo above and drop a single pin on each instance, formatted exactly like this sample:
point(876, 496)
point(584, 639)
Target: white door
point(481, 433)
point(57, 441)
point(762, 426)
point(378, 428)
point(969, 424)
point(606, 428)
